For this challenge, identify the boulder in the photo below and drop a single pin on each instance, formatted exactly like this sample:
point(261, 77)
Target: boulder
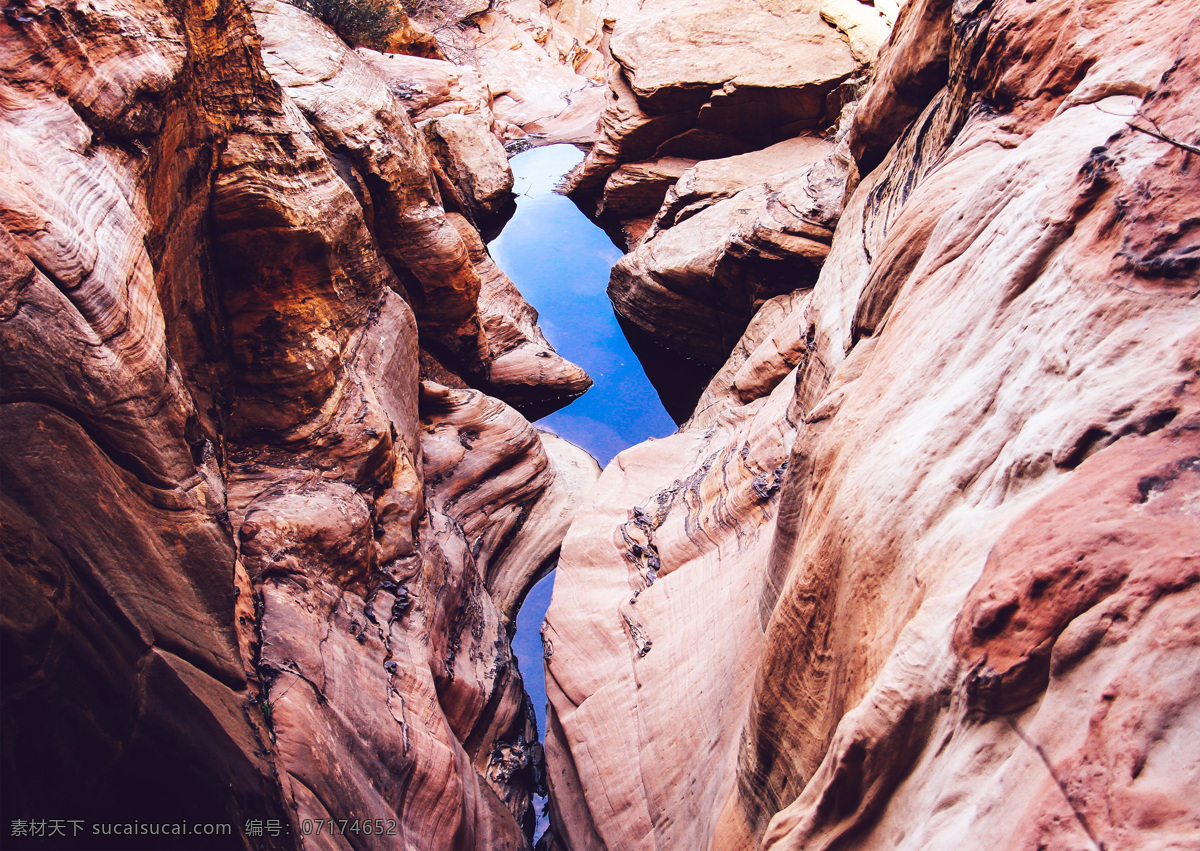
point(430, 88)
point(709, 181)
point(716, 252)
point(637, 189)
point(718, 80)
point(475, 163)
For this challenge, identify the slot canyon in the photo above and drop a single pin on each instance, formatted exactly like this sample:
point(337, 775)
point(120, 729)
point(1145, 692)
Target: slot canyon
point(600, 424)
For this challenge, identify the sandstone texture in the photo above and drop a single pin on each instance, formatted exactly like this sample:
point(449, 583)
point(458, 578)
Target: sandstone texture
point(259, 561)
point(716, 251)
point(429, 87)
point(724, 78)
point(475, 162)
point(543, 62)
point(923, 568)
point(412, 39)
point(920, 570)
point(723, 159)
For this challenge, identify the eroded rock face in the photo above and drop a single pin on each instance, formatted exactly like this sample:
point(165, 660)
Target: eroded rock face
point(430, 88)
point(545, 62)
point(253, 568)
point(724, 160)
point(722, 79)
point(713, 254)
point(475, 163)
point(923, 567)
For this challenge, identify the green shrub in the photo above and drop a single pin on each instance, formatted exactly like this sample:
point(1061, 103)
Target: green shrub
point(366, 23)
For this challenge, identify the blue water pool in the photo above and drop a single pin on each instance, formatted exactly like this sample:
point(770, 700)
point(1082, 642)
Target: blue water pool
point(560, 262)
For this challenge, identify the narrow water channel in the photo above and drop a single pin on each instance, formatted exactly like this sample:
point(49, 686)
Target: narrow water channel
point(560, 262)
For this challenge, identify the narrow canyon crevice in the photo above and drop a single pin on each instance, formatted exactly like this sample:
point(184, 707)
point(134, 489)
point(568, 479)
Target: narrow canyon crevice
point(918, 566)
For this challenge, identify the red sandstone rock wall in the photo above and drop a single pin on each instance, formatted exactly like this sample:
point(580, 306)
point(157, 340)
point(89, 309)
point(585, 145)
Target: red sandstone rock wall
point(254, 565)
point(923, 570)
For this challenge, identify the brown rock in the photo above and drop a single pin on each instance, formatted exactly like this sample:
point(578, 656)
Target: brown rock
point(479, 454)
point(770, 347)
point(475, 162)
point(545, 64)
point(412, 39)
point(710, 181)
point(639, 188)
point(640, 536)
point(438, 262)
point(722, 259)
point(672, 51)
point(430, 88)
point(522, 366)
point(968, 602)
point(235, 586)
point(718, 80)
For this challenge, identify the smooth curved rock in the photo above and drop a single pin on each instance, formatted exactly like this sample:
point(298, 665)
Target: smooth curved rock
point(967, 604)
point(522, 366)
point(495, 475)
point(430, 88)
point(235, 586)
point(672, 51)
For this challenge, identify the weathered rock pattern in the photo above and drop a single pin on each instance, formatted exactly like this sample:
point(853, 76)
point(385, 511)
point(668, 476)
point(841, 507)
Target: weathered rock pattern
point(412, 39)
point(924, 565)
point(722, 161)
point(253, 568)
point(430, 88)
point(475, 163)
point(724, 78)
point(364, 124)
point(545, 63)
point(921, 567)
point(709, 262)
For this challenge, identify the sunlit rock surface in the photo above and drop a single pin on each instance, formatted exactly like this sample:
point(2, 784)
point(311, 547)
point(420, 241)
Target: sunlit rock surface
point(723, 159)
point(475, 163)
point(545, 62)
point(714, 80)
point(713, 254)
point(922, 571)
point(251, 568)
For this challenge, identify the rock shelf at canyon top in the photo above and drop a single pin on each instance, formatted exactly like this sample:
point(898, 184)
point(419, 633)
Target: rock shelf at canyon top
point(849, 386)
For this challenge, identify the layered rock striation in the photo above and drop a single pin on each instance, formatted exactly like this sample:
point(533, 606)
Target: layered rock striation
point(920, 567)
point(260, 561)
point(722, 79)
point(722, 163)
point(923, 568)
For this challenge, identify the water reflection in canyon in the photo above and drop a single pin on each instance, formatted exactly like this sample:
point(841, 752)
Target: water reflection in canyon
point(560, 262)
